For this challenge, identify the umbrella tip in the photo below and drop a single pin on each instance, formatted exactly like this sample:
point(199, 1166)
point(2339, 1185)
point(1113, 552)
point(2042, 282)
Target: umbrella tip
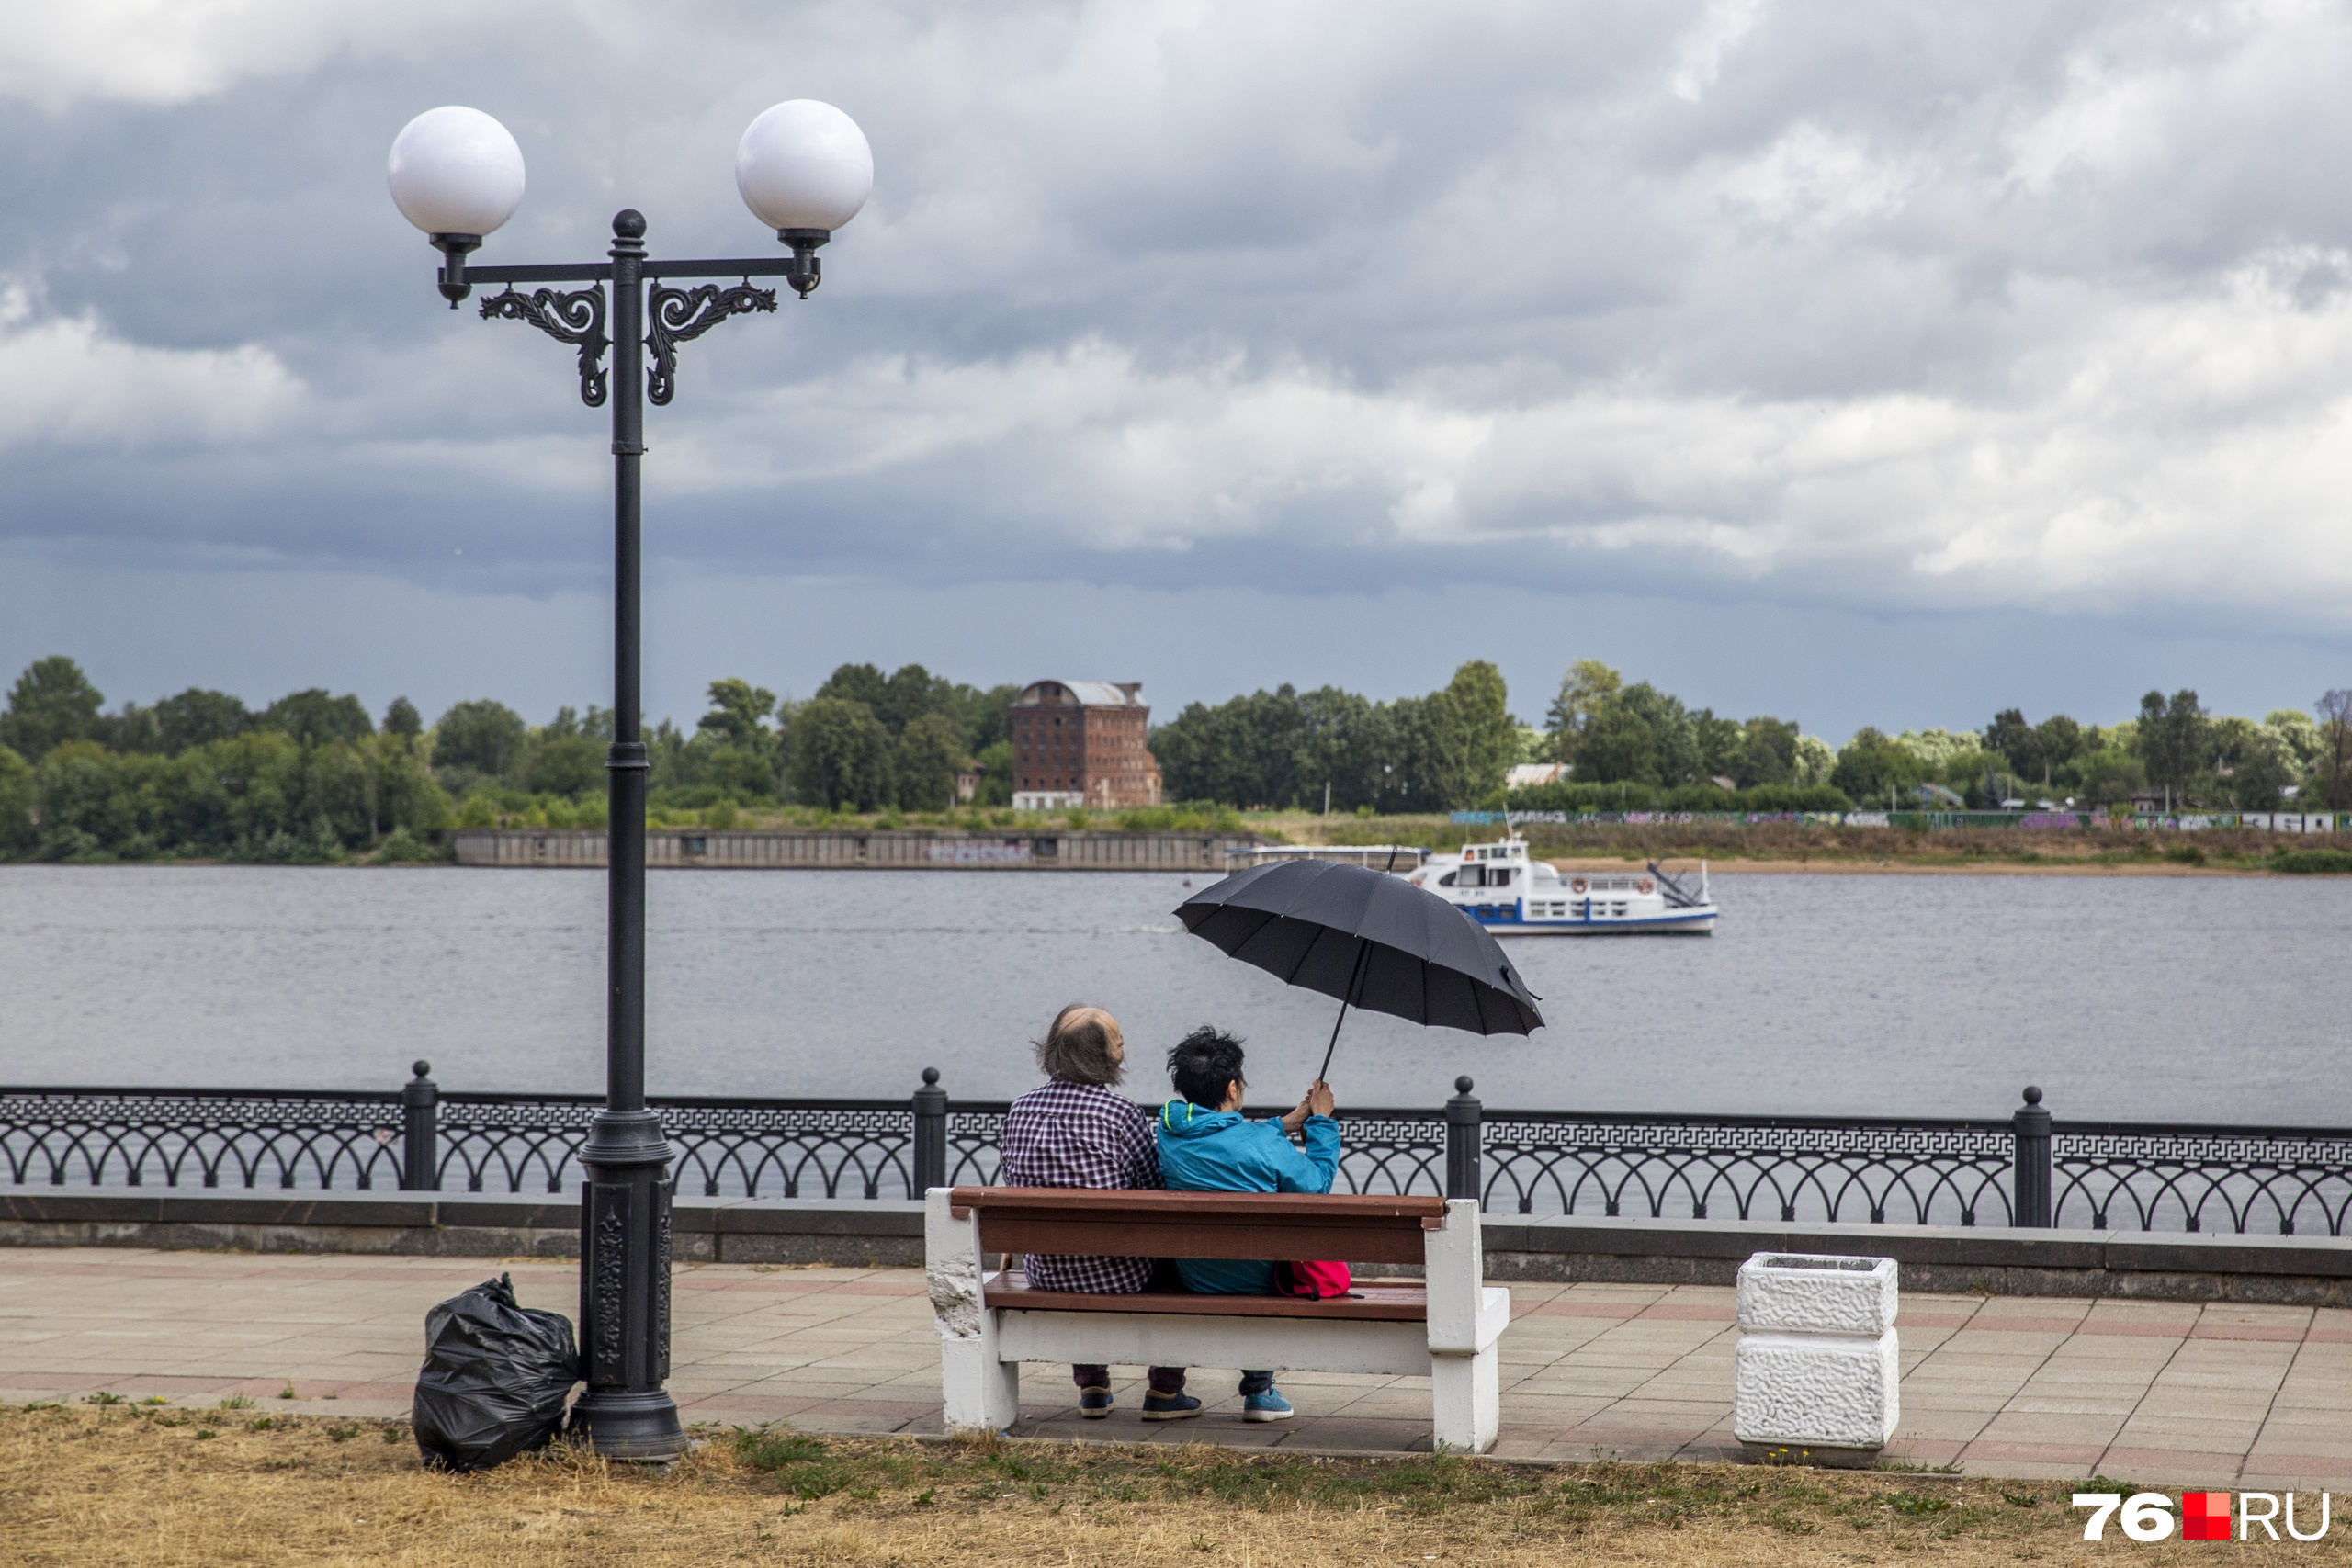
point(1462, 1084)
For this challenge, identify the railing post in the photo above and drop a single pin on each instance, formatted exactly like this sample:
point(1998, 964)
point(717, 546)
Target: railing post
point(2031, 1188)
point(1462, 1139)
point(930, 1134)
point(421, 1150)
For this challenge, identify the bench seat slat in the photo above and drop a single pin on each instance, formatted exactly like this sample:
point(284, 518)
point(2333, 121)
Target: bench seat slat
point(1383, 1303)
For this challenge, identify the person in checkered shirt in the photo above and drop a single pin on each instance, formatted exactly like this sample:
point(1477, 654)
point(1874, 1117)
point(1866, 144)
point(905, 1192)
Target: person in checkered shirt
point(1079, 1131)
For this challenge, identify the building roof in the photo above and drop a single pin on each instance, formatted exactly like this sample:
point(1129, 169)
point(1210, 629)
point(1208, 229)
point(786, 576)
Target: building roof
point(1081, 695)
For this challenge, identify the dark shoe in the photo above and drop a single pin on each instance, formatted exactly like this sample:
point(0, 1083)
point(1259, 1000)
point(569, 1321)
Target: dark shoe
point(1170, 1406)
point(1094, 1403)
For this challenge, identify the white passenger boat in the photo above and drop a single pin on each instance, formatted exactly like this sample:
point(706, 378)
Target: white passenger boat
point(1511, 895)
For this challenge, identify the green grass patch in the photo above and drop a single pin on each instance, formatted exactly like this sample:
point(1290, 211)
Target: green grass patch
point(2312, 862)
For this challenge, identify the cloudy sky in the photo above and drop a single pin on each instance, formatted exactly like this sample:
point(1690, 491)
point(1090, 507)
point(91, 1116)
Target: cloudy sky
point(1866, 363)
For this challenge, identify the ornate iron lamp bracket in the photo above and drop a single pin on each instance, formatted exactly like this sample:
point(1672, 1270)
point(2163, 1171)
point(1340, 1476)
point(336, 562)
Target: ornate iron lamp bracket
point(575, 317)
point(680, 314)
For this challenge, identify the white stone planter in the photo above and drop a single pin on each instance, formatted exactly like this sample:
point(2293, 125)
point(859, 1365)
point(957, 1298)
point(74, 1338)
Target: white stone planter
point(1815, 1377)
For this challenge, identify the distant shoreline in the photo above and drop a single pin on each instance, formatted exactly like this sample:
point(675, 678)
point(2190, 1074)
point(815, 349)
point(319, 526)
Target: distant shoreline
point(1929, 868)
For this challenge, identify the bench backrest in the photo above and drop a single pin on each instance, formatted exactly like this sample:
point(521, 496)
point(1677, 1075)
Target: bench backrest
point(1350, 1228)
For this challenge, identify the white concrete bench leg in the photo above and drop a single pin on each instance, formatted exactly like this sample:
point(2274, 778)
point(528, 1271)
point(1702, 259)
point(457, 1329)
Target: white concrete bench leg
point(982, 1393)
point(1466, 1322)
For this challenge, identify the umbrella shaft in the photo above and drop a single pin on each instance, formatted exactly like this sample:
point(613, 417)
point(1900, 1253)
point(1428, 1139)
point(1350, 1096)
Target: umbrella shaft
point(1363, 950)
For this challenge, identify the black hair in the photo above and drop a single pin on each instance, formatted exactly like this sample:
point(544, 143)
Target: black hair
point(1203, 1063)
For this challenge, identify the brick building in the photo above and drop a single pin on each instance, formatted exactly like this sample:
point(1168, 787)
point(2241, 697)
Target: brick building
point(1082, 743)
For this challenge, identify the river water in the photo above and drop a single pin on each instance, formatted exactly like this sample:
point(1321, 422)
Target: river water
point(2148, 998)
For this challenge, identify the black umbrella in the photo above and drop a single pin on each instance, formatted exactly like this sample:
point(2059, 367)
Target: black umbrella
point(1372, 940)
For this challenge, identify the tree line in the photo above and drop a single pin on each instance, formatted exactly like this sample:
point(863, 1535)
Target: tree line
point(1629, 745)
point(314, 776)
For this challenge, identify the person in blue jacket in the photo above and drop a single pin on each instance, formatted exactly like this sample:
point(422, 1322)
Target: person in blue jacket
point(1208, 1146)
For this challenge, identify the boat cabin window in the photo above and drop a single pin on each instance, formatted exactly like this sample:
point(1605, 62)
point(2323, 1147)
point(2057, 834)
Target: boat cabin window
point(1448, 879)
point(1474, 876)
point(1498, 876)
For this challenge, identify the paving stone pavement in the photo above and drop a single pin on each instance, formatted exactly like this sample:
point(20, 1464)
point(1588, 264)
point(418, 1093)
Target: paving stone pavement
point(2246, 1397)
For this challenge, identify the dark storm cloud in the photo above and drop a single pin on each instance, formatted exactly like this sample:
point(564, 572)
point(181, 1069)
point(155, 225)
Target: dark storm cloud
point(2031, 307)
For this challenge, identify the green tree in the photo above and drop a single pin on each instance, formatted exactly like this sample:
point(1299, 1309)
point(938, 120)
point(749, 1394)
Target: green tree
point(52, 702)
point(482, 737)
point(339, 790)
point(402, 719)
point(1719, 742)
point(2261, 767)
point(1341, 740)
point(1616, 747)
point(1871, 766)
point(88, 801)
point(1470, 738)
point(840, 754)
point(928, 756)
point(19, 797)
point(197, 717)
point(567, 765)
point(2014, 740)
point(858, 683)
point(996, 774)
point(2110, 775)
point(1584, 689)
point(130, 728)
point(2296, 732)
point(2332, 768)
point(2173, 741)
point(739, 773)
point(407, 793)
point(314, 719)
point(738, 715)
point(1767, 754)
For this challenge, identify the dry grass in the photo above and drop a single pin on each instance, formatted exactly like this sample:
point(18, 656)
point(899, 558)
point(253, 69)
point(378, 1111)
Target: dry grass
point(146, 1488)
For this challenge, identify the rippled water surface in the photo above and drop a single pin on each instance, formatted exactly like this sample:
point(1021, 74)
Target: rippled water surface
point(2158, 998)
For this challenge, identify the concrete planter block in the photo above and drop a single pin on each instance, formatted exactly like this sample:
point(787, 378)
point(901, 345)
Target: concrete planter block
point(1816, 1379)
point(1782, 1293)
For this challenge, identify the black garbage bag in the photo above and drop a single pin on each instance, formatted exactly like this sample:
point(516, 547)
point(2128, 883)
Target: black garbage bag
point(495, 1381)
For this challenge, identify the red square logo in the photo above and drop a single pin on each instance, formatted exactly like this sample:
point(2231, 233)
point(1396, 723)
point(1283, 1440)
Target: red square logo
point(2205, 1516)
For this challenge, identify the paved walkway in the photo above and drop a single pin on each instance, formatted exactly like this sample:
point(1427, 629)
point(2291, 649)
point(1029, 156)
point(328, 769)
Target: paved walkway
point(2242, 1396)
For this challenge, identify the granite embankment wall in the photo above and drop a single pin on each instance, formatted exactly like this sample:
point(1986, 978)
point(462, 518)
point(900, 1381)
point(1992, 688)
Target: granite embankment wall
point(908, 849)
point(2149, 1266)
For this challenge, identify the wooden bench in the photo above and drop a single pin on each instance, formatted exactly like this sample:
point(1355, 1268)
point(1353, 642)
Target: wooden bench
point(1445, 1329)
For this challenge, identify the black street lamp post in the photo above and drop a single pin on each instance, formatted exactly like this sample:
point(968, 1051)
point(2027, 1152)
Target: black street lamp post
point(804, 167)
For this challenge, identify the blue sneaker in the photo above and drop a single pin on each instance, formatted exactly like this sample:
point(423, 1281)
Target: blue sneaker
point(1170, 1406)
point(1268, 1406)
point(1094, 1403)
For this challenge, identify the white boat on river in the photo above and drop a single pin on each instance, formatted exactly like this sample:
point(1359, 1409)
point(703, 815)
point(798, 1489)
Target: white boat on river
point(1512, 895)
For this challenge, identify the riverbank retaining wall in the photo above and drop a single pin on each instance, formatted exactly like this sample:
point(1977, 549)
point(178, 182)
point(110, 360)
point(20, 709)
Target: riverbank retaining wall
point(2132, 1265)
point(907, 849)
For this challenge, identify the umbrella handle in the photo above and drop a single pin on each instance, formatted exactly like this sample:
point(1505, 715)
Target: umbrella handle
point(1355, 981)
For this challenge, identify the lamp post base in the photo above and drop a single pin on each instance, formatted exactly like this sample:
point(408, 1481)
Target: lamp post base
point(640, 1426)
point(624, 1289)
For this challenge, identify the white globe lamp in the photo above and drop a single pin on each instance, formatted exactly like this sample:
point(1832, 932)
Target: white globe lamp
point(804, 169)
point(455, 173)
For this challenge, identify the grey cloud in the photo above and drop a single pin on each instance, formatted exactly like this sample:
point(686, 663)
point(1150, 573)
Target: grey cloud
point(2007, 307)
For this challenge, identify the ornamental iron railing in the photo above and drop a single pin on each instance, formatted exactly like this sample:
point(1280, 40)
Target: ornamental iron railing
point(2026, 1171)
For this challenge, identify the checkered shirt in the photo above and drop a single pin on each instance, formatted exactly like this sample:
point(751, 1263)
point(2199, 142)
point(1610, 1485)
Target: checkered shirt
point(1074, 1135)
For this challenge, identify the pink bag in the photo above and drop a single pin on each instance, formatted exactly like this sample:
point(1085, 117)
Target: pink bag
point(1316, 1282)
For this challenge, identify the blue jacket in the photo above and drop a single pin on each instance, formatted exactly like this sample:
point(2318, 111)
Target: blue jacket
point(1222, 1151)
